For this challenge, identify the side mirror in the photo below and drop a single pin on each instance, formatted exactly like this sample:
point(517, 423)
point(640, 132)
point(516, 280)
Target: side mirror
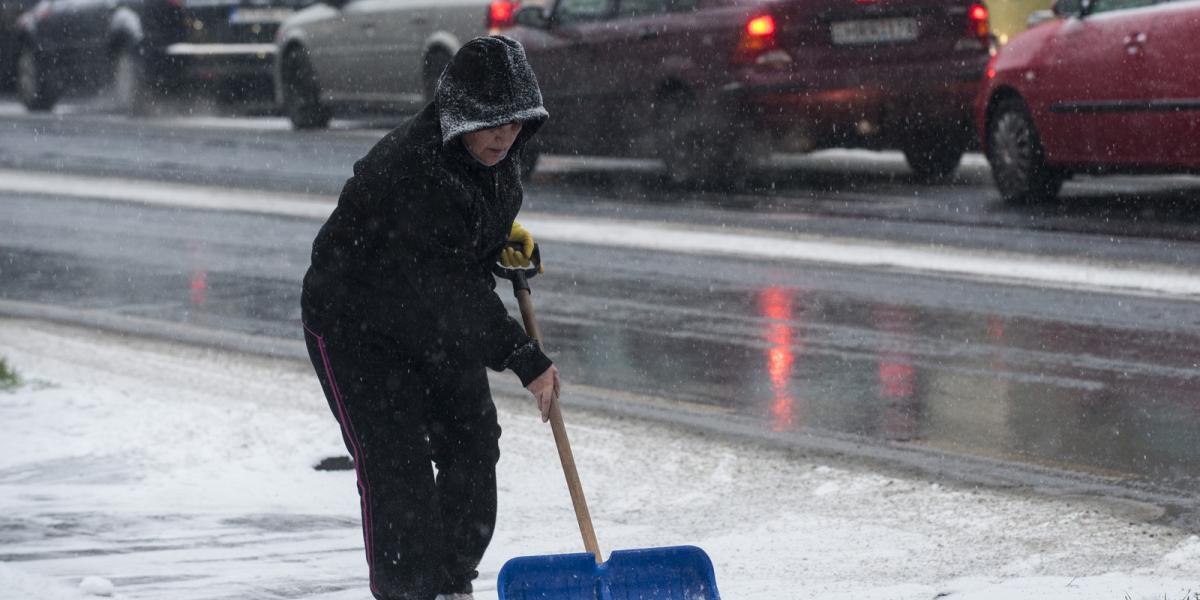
point(532, 16)
point(1067, 8)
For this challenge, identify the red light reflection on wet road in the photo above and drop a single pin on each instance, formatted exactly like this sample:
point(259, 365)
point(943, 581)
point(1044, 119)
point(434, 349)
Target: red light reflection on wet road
point(199, 287)
point(776, 304)
point(897, 376)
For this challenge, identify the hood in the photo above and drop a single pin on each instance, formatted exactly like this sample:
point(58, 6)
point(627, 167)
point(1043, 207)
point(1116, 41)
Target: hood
point(487, 84)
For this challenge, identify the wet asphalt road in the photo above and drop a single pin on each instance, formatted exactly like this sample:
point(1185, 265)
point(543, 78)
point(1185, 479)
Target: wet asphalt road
point(1099, 386)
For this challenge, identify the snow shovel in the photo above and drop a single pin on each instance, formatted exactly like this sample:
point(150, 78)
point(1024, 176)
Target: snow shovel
point(670, 573)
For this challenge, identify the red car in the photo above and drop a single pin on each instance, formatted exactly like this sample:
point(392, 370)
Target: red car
point(708, 85)
point(1109, 86)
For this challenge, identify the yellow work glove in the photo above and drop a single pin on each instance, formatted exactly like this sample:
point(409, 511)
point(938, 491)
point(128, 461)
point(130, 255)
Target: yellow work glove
point(518, 257)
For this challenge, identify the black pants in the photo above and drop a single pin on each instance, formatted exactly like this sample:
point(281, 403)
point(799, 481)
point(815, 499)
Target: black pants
point(424, 533)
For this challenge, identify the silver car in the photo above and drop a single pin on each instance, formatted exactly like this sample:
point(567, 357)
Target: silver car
point(373, 55)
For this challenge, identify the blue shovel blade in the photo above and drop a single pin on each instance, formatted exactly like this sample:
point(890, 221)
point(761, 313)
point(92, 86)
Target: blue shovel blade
point(674, 573)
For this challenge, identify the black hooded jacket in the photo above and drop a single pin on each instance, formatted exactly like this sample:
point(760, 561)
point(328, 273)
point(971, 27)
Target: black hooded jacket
point(406, 255)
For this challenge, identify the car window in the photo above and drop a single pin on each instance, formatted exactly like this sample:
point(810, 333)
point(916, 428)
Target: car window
point(637, 8)
point(569, 12)
point(1101, 6)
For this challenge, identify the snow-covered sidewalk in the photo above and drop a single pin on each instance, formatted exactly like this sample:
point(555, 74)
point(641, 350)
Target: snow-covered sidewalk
point(184, 473)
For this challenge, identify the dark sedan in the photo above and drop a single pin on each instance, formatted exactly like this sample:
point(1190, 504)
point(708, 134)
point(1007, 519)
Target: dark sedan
point(143, 48)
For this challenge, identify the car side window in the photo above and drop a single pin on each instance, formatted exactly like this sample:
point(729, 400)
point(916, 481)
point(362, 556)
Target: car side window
point(1102, 6)
point(641, 8)
point(570, 12)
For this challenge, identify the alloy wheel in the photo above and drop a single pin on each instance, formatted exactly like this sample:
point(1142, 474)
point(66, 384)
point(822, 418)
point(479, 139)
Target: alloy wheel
point(1012, 152)
point(1016, 158)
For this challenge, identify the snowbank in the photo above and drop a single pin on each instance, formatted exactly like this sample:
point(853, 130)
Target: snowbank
point(185, 473)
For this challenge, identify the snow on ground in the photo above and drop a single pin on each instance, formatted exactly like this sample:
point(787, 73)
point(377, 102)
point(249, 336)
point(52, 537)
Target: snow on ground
point(163, 471)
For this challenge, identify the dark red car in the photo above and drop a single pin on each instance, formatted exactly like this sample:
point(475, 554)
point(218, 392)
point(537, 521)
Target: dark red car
point(709, 85)
point(1109, 86)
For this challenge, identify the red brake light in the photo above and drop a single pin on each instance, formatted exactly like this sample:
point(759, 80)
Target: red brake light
point(757, 38)
point(762, 26)
point(978, 27)
point(501, 13)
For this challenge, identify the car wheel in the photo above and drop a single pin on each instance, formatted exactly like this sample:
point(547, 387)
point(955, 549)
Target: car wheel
point(932, 158)
point(695, 150)
point(302, 93)
point(435, 62)
point(131, 91)
point(1015, 154)
point(33, 84)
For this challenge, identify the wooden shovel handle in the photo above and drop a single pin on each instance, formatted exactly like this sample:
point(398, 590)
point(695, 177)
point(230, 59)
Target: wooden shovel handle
point(560, 439)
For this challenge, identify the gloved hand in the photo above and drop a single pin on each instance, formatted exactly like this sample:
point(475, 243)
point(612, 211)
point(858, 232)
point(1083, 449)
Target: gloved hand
point(518, 258)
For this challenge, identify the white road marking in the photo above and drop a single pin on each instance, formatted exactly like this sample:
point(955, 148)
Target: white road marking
point(1025, 269)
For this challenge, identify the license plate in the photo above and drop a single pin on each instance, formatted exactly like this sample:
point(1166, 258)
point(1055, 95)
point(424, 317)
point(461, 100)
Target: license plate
point(874, 31)
point(258, 15)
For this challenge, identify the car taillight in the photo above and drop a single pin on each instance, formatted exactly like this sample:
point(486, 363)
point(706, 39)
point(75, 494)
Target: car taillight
point(978, 26)
point(978, 35)
point(758, 39)
point(761, 27)
point(500, 15)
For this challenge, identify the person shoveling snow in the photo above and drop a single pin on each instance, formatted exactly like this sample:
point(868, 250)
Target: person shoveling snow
point(401, 320)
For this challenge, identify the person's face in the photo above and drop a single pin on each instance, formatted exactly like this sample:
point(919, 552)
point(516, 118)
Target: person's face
point(490, 146)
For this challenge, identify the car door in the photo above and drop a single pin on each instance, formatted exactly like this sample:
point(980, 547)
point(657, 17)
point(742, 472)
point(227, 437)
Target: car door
point(396, 56)
point(571, 73)
point(329, 42)
point(369, 23)
point(1093, 87)
point(1172, 51)
point(344, 51)
point(635, 48)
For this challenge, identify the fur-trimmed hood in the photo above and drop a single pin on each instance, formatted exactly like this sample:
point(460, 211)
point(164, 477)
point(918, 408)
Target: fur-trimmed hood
point(487, 84)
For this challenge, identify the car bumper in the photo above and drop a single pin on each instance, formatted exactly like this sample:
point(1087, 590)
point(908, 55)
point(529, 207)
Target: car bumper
point(207, 62)
point(868, 107)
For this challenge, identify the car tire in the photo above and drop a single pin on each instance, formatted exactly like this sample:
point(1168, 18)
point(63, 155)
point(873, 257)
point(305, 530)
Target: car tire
point(696, 152)
point(1015, 154)
point(932, 158)
point(34, 87)
point(302, 93)
point(131, 90)
point(435, 62)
